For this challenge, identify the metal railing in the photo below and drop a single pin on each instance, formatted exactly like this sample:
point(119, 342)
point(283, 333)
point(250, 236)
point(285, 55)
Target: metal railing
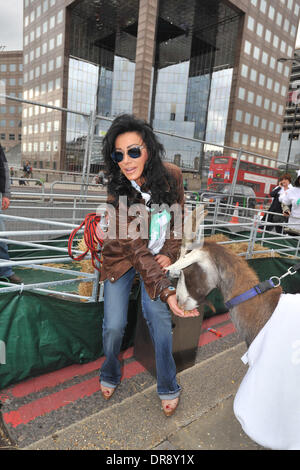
point(195, 146)
point(250, 229)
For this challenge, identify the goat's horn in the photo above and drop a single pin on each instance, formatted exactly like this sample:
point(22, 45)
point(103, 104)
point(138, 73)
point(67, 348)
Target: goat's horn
point(186, 260)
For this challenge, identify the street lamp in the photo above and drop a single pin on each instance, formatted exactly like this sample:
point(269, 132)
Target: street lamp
point(296, 58)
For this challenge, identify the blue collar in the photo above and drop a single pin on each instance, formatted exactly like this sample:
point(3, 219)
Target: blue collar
point(258, 289)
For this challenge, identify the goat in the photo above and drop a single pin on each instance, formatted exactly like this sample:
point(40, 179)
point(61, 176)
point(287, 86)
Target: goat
point(213, 266)
point(267, 401)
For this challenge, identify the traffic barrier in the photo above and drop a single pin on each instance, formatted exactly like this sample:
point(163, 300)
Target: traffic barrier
point(235, 216)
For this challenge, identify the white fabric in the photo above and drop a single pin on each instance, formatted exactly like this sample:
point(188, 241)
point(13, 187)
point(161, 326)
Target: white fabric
point(158, 224)
point(267, 403)
point(292, 196)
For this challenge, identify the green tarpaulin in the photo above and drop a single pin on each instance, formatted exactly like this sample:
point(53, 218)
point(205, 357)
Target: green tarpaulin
point(41, 333)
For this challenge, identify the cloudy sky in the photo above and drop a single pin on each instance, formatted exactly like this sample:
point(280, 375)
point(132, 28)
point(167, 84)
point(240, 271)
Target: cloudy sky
point(11, 24)
point(11, 21)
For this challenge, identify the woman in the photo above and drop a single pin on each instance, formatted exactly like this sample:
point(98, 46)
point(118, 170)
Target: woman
point(137, 178)
point(292, 197)
point(284, 183)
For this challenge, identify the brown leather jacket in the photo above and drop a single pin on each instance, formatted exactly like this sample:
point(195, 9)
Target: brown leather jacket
point(122, 253)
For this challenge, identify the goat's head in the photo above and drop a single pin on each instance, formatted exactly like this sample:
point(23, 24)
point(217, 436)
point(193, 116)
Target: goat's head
point(198, 276)
point(196, 271)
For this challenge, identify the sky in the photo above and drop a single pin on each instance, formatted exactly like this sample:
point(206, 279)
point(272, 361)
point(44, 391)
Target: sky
point(11, 24)
point(11, 21)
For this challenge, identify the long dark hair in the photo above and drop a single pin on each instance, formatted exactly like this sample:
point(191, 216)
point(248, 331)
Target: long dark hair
point(158, 181)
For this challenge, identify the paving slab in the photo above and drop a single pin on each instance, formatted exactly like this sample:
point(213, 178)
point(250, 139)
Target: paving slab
point(203, 420)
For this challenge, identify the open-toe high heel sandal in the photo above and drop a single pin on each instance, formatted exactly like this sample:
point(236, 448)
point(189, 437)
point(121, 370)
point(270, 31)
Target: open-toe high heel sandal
point(107, 392)
point(168, 407)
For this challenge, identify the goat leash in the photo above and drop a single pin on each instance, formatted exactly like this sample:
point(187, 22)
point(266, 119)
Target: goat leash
point(261, 287)
point(92, 237)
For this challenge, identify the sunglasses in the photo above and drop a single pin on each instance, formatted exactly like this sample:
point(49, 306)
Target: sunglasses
point(134, 152)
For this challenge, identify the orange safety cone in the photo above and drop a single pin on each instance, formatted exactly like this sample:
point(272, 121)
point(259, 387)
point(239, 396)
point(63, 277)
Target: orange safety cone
point(235, 216)
point(261, 211)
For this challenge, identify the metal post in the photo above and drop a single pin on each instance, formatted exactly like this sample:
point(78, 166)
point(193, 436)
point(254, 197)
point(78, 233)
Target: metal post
point(88, 151)
point(291, 139)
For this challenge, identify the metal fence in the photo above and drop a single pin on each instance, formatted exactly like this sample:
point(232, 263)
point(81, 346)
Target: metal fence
point(45, 233)
point(84, 145)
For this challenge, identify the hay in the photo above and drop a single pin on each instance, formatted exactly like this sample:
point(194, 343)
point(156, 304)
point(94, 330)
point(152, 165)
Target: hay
point(85, 288)
point(242, 247)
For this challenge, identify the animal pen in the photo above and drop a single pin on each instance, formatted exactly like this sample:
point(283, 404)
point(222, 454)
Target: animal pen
point(54, 318)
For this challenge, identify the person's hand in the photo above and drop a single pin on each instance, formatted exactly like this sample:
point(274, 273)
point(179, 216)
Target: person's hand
point(172, 302)
point(5, 203)
point(163, 260)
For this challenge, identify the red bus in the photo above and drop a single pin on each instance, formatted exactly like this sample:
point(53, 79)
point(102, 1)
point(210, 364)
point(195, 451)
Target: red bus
point(261, 178)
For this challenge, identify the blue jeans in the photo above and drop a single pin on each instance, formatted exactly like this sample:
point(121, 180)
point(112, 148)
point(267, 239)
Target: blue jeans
point(7, 270)
point(158, 318)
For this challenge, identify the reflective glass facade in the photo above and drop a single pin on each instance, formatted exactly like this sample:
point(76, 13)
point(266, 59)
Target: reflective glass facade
point(194, 54)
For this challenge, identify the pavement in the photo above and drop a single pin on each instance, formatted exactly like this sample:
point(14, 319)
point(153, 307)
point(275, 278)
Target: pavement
point(204, 419)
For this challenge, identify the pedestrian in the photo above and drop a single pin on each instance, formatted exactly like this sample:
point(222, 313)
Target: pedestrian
point(291, 197)
point(27, 170)
point(284, 183)
point(12, 174)
point(6, 273)
point(137, 176)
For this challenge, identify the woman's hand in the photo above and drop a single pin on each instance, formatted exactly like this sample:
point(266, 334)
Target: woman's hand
point(163, 260)
point(172, 302)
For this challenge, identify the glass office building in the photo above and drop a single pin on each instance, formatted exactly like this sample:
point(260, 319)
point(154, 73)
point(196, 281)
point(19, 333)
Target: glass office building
point(195, 49)
point(200, 69)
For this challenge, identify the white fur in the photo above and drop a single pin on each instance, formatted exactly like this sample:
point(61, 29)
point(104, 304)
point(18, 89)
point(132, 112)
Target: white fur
point(184, 299)
point(202, 258)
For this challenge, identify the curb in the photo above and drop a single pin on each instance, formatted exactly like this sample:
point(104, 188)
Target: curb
point(138, 422)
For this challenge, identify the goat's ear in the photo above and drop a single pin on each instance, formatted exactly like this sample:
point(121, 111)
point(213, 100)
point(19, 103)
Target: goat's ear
point(192, 257)
point(193, 229)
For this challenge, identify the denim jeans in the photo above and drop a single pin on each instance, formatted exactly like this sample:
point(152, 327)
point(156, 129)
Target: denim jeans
point(7, 270)
point(158, 318)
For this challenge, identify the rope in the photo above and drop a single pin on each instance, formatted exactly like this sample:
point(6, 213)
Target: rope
point(91, 235)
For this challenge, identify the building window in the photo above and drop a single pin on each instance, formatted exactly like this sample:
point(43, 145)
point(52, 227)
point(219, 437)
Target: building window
point(241, 94)
point(261, 79)
point(256, 53)
point(239, 115)
point(268, 35)
point(250, 23)
point(11, 136)
point(271, 13)
point(264, 124)
point(261, 143)
point(255, 121)
point(245, 139)
point(236, 137)
point(269, 83)
point(253, 75)
point(60, 15)
point(250, 97)
point(265, 58)
point(247, 47)
point(259, 29)
point(244, 70)
point(247, 118)
point(279, 19)
point(263, 6)
point(275, 40)
point(267, 103)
